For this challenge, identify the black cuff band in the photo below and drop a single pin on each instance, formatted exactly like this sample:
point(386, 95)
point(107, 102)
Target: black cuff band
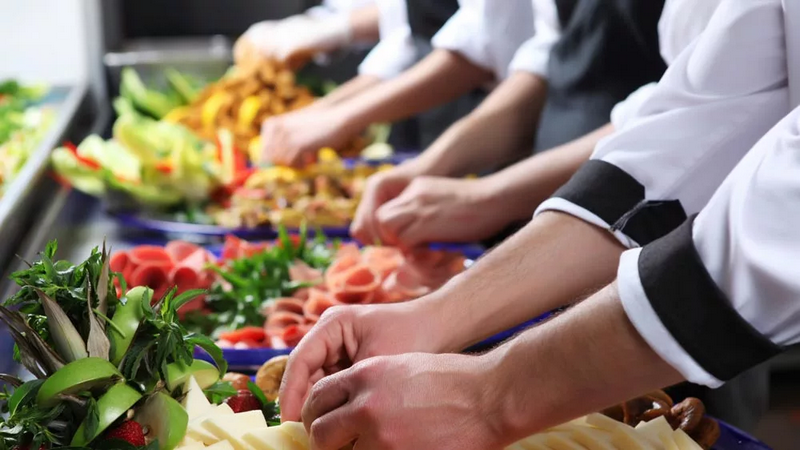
point(696, 311)
point(617, 198)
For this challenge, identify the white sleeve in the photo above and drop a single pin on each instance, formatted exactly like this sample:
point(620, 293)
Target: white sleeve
point(629, 108)
point(721, 295)
point(334, 7)
point(682, 21)
point(534, 55)
point(396, 51)
point(487, 33)
point(718, 98)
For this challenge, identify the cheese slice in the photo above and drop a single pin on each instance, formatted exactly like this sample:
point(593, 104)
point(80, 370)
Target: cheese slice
point(221, 445)
point(654, 429)
point(535, 442)
point(606, 423)
point(685, 442)
point(297, 431)
point(195, 403)
point(272, 438)
point(593, 438)
point(668, 442)
point(191, 446)
point(562, 441)
point(233, 428)
point(197, 432)
point(629, 439)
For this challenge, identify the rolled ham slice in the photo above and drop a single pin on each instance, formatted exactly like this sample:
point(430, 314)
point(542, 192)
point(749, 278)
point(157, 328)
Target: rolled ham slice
point(180, 250)
point(154, 276)
point(318, 302)
point(292, 305)
point(384, 260)
point(151, 255)
point(404, 284)
point(303, 273)
point(278, 321)
point(293, 334)
point(355, 286)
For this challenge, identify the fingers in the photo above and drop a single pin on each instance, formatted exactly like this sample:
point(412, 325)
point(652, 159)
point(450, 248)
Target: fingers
point(335, 430)
point(363, 227)
point(305, 367)
point(393, 218)
point(327, 395)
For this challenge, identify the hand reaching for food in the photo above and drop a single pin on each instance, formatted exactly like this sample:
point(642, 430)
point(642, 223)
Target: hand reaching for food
point(347, 335)
point(294, 139)
point(294, 40)
point(437, 209)
point(379, 189)
point(382, 402)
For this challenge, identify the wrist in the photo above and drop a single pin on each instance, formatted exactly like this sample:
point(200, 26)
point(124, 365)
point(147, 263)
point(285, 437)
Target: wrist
point(513, 373)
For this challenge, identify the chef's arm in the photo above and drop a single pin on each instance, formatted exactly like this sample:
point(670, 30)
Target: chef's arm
point(500, 130)
point(365, 23)
point(348, 90)
point(523, 186)
point(554, 261)
point(640, 184)
point(441, 77)
point(578, 363)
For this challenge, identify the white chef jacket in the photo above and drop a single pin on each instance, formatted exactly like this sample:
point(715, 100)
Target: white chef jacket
point(396, 51)
point(502, 38)
point(334, 7)
point(681, 23)
point(489, 34)
point(719, 294)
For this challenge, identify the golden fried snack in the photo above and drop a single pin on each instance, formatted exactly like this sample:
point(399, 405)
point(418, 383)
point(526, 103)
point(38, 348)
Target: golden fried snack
point(241, 102)
point(269, 376)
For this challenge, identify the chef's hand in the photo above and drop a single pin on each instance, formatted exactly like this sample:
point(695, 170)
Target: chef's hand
point(347, 335)
point(294, 139)
point(380, 188)
point(407, 402)
point(294, 40)
point(437, 209)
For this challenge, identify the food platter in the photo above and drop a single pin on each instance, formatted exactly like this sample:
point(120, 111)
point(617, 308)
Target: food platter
point(169, 226)
point(144, 394)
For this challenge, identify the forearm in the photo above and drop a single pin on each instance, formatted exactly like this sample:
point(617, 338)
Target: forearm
point(365, 24)
point(522, 279)
point(523, 186)
point(348, 90)
point(589, 358)
point(499, 131)
point(438, 79)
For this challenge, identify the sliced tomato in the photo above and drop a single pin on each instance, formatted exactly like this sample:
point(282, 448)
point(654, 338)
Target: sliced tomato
point(256, 334)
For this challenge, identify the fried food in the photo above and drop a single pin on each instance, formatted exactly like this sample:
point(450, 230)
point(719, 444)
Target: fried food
point(269, 376)
point(241, 101)
point(325, 194)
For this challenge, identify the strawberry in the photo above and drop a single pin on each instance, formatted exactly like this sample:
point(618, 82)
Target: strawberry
point(244, 401)
point(128, 431)
point(27, 447)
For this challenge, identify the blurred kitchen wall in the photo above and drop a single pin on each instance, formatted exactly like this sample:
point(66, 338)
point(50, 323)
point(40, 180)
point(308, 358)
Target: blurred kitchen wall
point(43, 41)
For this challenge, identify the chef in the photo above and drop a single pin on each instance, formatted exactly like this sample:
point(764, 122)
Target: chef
point(579, 65)
point(473, 49)
point(332, 26)
point(701, 302)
